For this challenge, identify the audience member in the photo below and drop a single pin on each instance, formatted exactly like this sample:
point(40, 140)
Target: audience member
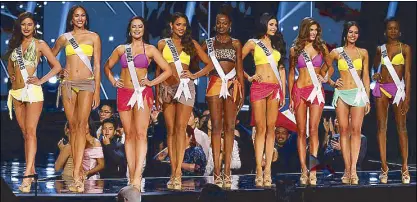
point(129, 194)
point(93, 158)
point(64, 159)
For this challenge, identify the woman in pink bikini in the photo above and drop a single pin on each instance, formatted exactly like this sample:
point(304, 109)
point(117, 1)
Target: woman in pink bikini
point(134, 92)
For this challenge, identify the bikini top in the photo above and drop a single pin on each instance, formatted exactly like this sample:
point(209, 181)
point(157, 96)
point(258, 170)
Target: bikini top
point(260, 57)
point(87, 49)
point(317, 60)
point(140, 60)
point(225, 51)
point(398, 59)
point(357, 63)
point(30, 57)
point(167, 55)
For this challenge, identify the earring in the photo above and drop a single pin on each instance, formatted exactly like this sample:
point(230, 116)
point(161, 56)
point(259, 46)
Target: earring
point(130, 34)
point(71, 23)
point(230, 30)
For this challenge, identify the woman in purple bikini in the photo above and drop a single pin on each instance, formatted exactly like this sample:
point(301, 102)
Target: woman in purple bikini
point(393, 87)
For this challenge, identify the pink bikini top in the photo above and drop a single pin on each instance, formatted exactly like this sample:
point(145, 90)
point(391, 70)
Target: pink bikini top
point(140, 60)
point(317, 61)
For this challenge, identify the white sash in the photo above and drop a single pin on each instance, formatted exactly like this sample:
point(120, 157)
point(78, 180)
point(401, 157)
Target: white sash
point(400, 95)
point(26, 91)
point(183, 86)
point(137, 95)
point(361, 94)
point(78, 50)
point(225, 78)
point(316, 92)
point(271, 61)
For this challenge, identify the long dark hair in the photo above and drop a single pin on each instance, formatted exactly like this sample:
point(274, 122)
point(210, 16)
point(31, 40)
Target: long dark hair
point(346, 28)
point(69, 26)
point(277, 40)
point(145, 36)
point(304, 35)
point(17, 36)
point(186, 39)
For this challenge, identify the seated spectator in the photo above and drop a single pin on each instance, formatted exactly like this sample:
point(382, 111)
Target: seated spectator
point(107, 111)
point(113, 150)
point(64, 159)
point(93, 158)
point(332, 154)
point(129, 194)
point(195, 161)
point(285, 158)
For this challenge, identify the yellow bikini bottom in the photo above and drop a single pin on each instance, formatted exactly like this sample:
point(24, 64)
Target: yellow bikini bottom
point(33, 93)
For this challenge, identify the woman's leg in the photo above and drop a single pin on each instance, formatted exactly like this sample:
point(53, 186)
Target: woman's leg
point(141, 123)
point(169, 116)
point(402, 133)
point(342, 112)
point(69, 109)
point(382, 105)
point(355, 125)
point(215, 105)
point(182, 115)
point(301, 120)
point(272, 105)
point(20, 112)
point(259, 111)
point(82, 114)
point(229, 121)
point(130, 144)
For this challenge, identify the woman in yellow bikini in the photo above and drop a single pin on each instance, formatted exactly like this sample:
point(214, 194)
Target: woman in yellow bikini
point(393, 87)
point(351, 96)
point(26, 95)
point(81, 85)
point(267, 92)
point(177, 93)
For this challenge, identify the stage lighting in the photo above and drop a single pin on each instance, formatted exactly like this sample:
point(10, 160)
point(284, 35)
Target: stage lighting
point(2, 6)
point(21, 6)
point(295, 28)
point(53, 80)
point(6, 42)
point(53, 40)
point(6, 80)
point(282, 29)
point(203, 34)
point(45, 3)
point(38, 26)
point(63, 2)
point(111, 38)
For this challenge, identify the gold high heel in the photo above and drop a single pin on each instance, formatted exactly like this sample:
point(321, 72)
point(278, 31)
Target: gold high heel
point(259, 180)
point(354, 179)
point(303, 178)
point(383, 177)
point(26, 185)
point(405, 176)
point(267, 179)
point(77, 185)
point(170, 184)
point(176, 183)
point(346, 178)
point(312, 178)
point(218, 180)
point(227, 181)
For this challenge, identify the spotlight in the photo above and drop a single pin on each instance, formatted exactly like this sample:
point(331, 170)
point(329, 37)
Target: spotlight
point(2, 6)
point(21, 6)
point(45, 3)
point(53, 80)
point(282, 29)
point(203, 34)
point(6, 80)
point(53, 40)
point(63, 2)
point(38, 26)
point(295, 28)
point(40, 6)
point(6, 42)
point(111, 38)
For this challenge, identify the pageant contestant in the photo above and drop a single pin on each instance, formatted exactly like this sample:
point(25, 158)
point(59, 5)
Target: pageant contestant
point(307, 54)
point(26, 94)
point(393, 87)
point(80, 87)
point(224, 92)
point(267, 92)
point(134, 92)
point(177, 93)
point(351, 96)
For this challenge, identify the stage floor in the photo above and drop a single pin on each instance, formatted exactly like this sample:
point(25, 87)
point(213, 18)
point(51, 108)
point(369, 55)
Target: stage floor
point(287, 188)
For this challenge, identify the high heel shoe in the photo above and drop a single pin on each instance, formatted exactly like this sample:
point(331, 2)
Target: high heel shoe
point(267, 179)
point(259, 180)
point(77, 185)
point(227, 181)
point(303, 178)
point(138, 186)
point(312, 179)
point(346, 178)
point(218, 180)
point(383, 177)
point(176, 183)
point(354, 179)
point(170, 184)
point(405, 176)
point(26, 185)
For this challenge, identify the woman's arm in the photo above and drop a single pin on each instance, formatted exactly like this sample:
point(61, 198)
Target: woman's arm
point(205, 59)
point(408, 60)
point(97, 75)
point(239, 67)
point(162, 64)
point(281, 69)
point(111, 61)
point(247, 48)
point(291, 72)
point(365, 71)
point(10, 70)
point(59, 43)
point(95, 170)
point(53, 62)
point(158, 105)
point(64, 153)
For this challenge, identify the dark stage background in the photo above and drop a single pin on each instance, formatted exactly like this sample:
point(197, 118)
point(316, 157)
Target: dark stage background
point(109, 20)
